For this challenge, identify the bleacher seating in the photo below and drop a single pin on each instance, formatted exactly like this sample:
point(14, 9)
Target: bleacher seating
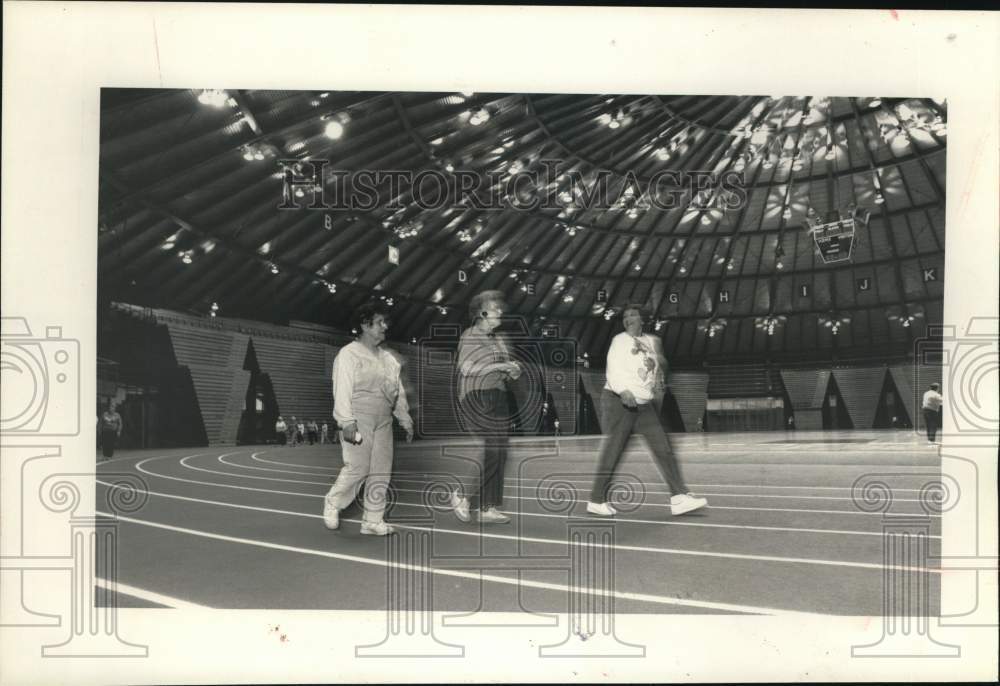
point(742, 381)
point(860, 388)
point(806, 389)
point(431, 372)
point(214, 359)
point(300, 375)
point(593, 382)
point(298, 361)
point(690, 391)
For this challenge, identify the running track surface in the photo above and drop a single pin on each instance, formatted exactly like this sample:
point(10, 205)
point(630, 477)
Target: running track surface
point(241, 527)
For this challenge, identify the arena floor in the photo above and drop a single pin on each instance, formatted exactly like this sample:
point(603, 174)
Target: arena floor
point(241, 527)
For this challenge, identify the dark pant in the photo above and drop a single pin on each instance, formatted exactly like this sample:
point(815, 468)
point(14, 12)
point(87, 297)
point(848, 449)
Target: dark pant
point(619, 423)
point(486, 414)
point(109, 440)
point(312, 437)
point(932, 420)
point(282, 437)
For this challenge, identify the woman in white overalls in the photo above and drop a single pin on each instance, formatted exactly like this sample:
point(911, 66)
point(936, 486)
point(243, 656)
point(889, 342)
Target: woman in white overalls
point(367, 393)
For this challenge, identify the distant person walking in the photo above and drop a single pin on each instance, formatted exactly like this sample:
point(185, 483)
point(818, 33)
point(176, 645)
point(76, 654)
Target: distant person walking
point(931, 407)
point(111, 429)
point(281, 431)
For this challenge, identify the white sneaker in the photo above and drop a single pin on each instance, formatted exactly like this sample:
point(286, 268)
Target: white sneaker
point(491, 515)
point(682, 504)
point(461, 507)
point(331, 516)
point(602, 509)
point(377, 529)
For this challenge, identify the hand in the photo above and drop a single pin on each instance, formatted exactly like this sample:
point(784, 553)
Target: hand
point(351, 433)
point(514, 370)
point(628, 400)
point(408, 428)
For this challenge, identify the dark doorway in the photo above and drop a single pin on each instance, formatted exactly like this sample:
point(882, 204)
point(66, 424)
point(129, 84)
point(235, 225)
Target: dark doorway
point(670, 413)
point(260, 406)
point(891, 412)
point(835, 416)
point(588, 419)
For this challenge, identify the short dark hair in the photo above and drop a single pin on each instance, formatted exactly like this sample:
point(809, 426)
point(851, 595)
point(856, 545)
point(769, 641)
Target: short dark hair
point(935, 387)
point(640, 308)
point(366, 315)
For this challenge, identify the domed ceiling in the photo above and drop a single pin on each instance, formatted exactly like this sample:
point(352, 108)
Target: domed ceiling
point(751, 227)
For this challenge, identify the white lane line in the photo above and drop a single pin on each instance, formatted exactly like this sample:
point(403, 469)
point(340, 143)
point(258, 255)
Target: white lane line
point(514, 497)
point(221, 459)
point(334, 470)
point(630, 520)
point(151, 596)
point(474, 576)
point(517, 497)
point(556, 541)
point(140, 457)
point(139, 466)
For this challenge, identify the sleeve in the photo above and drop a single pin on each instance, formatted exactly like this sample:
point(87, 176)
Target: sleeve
point(617, 366)
point(343, 388)
point(661, 364)
point(466, 355)
point(402, 409)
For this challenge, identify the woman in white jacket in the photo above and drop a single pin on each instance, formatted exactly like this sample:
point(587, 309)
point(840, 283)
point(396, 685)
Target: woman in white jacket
point(367, 394)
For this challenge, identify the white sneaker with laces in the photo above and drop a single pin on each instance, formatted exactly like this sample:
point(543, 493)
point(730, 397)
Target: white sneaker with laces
point(461, 507)
point(601, 509)
point(331, 516)
point(491, 515)
point(377, 529)
point(684, 503)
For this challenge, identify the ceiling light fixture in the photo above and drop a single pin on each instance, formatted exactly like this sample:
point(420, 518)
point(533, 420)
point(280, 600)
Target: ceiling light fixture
point(214, 97)
point(334, 130)
point(479, 116)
